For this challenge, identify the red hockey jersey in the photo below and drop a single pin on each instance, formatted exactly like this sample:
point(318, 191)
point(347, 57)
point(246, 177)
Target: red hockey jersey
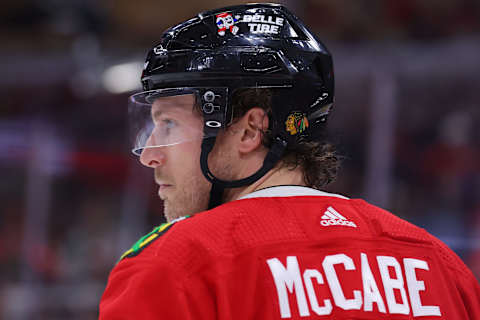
point(291, 253)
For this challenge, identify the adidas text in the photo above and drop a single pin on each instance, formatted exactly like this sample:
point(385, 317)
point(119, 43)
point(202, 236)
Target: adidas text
point(327, 223)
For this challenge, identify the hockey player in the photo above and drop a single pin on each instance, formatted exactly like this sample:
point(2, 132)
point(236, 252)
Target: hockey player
point(231, 123)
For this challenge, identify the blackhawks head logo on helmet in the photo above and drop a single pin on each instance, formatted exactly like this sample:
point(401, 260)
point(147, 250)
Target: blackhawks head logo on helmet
point(296, 122)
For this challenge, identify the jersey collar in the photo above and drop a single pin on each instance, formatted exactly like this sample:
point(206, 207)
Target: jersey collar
point(289, 191)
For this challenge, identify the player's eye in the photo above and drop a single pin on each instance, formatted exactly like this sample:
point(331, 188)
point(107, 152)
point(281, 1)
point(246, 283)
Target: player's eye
point(168, 124)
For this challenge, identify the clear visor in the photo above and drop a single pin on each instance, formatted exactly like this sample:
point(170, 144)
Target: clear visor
point(165, 117)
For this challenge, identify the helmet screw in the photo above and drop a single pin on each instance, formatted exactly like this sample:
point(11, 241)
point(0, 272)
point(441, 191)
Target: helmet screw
point(208, 108)
point(209, 96)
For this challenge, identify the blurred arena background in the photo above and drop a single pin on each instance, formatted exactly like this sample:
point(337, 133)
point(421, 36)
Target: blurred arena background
point(73, 198)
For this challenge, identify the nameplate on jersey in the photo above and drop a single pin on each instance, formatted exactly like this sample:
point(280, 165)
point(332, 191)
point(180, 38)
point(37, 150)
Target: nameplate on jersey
point(339, 284)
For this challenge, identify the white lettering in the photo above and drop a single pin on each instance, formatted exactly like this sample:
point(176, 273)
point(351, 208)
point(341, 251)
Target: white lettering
point(261, 24)
point(290, 282)
point(332, 222)
point(389, 284)
point(415, 286)
point(371, 293)
point(334, 284)
point(307, 278)
point(288, 278)
point(263, 28)
point(258, 18)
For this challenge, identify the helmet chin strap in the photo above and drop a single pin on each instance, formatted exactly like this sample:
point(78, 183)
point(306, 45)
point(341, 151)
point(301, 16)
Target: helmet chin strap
point(218, 186)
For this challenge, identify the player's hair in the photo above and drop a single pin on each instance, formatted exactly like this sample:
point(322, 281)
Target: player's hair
point(318, 159)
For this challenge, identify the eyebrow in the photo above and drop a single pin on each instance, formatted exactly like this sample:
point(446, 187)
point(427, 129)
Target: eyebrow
point(156, 114)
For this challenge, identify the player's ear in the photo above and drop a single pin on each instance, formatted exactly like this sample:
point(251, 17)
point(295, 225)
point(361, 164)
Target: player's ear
point(252, 126)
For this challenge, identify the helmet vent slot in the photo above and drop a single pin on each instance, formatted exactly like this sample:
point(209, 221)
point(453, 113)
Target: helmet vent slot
point(260, 62)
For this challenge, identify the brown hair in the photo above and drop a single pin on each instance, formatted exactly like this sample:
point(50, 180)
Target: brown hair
point(318, 159)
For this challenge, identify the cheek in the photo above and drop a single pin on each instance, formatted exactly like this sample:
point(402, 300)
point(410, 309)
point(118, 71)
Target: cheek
point(187, 157)
point(222, 162)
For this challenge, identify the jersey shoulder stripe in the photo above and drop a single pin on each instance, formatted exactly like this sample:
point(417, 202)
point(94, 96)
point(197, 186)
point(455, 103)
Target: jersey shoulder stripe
point(147, 239)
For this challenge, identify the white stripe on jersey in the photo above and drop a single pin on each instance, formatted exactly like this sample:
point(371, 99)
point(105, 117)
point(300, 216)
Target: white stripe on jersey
point(289, 191)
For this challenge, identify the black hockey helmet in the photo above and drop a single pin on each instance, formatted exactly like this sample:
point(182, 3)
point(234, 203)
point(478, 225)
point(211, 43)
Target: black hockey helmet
point(245, 46)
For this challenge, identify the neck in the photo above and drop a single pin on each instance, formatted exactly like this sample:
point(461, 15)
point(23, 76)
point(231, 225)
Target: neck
point(279, 175)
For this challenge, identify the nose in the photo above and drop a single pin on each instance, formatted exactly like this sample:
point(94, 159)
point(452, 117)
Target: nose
point(152, 157)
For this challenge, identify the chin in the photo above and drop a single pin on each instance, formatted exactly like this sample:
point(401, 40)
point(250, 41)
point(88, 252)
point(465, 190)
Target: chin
point(174, 212)
point(169, 214)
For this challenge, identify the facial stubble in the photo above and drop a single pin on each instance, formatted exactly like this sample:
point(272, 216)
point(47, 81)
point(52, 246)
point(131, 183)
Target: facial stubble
point(188, 198)
point(193, 193)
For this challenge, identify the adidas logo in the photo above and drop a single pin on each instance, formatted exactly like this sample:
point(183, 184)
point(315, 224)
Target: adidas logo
point(331, 217)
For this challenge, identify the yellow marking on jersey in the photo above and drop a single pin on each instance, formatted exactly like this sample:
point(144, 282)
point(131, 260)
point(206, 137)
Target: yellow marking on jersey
point(153, 236)
point(163, 226)
point(148, 238)
point(126, 254)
